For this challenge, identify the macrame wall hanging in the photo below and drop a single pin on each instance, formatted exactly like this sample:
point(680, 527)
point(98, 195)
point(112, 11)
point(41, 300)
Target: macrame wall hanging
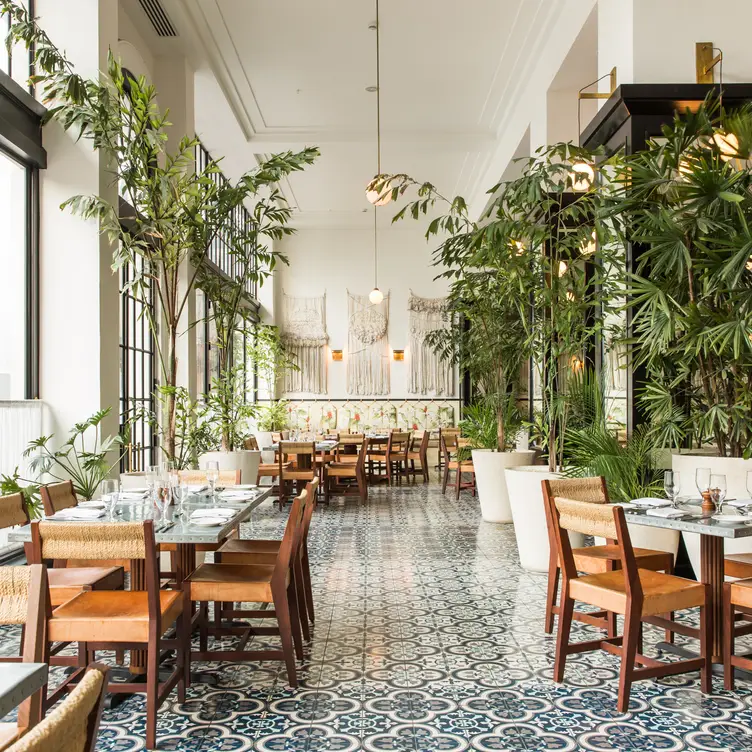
point(368, 348)
point(305, 337)
point(428, 374)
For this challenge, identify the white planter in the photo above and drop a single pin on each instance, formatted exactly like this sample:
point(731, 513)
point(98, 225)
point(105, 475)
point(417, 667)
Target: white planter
point(735, 469)
point(245, 460)
point(492, 486)
point(529, 516)
point(264, 439)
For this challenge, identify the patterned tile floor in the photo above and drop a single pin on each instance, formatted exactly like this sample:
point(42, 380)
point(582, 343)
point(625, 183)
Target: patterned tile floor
point(429, 638)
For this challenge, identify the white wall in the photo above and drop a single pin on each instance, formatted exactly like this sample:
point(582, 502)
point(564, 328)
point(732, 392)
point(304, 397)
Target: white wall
point(334, 261)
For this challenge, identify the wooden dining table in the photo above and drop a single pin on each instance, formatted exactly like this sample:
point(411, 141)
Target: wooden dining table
point(712, 536)
point(171, 525)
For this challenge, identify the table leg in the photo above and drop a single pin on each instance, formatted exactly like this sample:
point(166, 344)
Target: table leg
point(711, 573)
point(138, 582)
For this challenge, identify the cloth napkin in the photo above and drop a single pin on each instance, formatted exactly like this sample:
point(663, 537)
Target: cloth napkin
point(76, 513)
point(230, 495)
point(133, 494)
point(94, 504)
point(667, 512)
point(649, 502)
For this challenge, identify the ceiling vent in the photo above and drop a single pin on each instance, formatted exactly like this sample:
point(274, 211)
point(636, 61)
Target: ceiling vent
point(159, 18)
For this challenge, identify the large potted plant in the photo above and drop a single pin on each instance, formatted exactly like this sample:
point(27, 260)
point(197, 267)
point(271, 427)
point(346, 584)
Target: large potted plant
point(486, 337)
point(689, 206)
point(174, 211)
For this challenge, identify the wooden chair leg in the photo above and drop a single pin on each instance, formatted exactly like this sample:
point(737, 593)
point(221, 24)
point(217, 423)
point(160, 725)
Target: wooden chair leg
point(300, 600)
point(282, 610)
point(297, 635)
point(186, 635)
point(706, 672)
point(566, 609)
point(632, 631)
point(551, 592)
point(728, 637)
point(152, 693)
point(307, 584)
point(445, 479)
point(203, 627)
point(457, 483)
point(181, 657)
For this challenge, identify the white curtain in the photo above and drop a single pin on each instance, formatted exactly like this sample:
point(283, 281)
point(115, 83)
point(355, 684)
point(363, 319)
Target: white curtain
point(305, 336)
point(368, 353)
point(428, 373)
point(20, 423)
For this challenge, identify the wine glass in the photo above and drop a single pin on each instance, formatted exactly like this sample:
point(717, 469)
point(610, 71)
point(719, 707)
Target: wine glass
point(212, 475)
point(152, 478)
point(671, 485)
point(179, 495)
point(110, 491)
point(702, 479)
point(718, 490)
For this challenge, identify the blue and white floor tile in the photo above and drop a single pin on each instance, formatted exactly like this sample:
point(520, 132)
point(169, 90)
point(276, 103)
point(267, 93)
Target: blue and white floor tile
point(429, 638)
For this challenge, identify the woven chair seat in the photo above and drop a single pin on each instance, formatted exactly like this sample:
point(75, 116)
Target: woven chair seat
point(662, 592)
point(68, 582)
point(232, 582)
point(271, 469)
point(111, 616)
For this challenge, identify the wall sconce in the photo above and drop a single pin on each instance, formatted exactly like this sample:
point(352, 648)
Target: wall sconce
point(399, 354)
point(336, 354)
point(705, 62)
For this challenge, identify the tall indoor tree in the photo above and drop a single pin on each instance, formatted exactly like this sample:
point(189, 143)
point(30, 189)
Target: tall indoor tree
point(175, 212)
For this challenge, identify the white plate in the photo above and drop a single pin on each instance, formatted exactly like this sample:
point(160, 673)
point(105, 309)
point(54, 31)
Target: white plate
point(731, 518)
point(209, 521)
point(215, 512)
point(243, 487)
point(91, 504)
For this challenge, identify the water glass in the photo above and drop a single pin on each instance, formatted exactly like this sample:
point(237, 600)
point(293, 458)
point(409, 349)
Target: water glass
point(671, 485)
point(212, 475)
point(718, 490)
point(110, 493)
point(179, 495)
point(702, 479)
point(152, 478)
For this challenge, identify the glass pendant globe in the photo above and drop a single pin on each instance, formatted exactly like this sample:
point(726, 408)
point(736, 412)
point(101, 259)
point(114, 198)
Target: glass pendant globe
point(378, 199)
point(376, 296)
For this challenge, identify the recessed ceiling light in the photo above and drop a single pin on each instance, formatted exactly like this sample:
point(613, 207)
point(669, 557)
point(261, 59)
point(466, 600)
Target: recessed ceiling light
point(372, 89)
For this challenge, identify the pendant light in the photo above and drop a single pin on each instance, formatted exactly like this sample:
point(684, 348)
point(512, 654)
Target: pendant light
point(383, 195)
point(375, 296)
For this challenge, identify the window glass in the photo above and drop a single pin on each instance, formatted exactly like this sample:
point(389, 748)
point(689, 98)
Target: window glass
point(16, 62)
point(13, 334)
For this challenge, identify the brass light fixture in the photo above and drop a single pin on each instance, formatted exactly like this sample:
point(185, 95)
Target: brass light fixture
point(383, 195)
point(399, 354)
point(582, 94)
point(705, 62)
point(337, 355)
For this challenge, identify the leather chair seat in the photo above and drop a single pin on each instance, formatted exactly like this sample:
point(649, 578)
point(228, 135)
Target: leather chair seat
point(233, 582)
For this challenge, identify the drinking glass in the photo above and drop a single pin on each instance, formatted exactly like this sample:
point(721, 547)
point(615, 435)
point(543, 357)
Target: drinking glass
point(671, 485)
point(718, 491)
point(212, 475)
point(702, 479)
point(152, 478)
point(179, 495)
point(110, 492)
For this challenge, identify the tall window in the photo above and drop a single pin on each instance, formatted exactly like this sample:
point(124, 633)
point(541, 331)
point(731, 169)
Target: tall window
point(16, 62)
point(138, 378)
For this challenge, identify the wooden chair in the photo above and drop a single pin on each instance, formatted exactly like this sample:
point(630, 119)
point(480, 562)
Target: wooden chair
point(74, 725)
point(339, 477)
point(237, 551)
point(591, 559)
point(348, 449)
point(450, 442)
point(397, 448)
point(446, 432)
point(299, 470)
point(24, 601)
point(70, 577)
point(224, 583)
point(120, 619)
point(635, 593)
point(251, 443)
point(198, 477)
point(737, 605)
point(419, 455)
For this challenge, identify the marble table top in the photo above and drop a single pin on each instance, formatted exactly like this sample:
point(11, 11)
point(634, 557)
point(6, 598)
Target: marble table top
point(18, 682)
point(170, 526)
point(692, 522)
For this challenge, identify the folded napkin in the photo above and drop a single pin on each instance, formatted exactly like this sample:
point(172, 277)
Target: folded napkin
point(229, 495)
point(76, 513)
point(94, 504)
point(667, 512)
point(216, 512)
point(739, 503)
point(650, 502)
point(133, 494)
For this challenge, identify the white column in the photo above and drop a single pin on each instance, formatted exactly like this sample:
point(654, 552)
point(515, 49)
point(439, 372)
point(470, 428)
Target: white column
point(174, 81)
point(79, 316)
point(654, 42)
